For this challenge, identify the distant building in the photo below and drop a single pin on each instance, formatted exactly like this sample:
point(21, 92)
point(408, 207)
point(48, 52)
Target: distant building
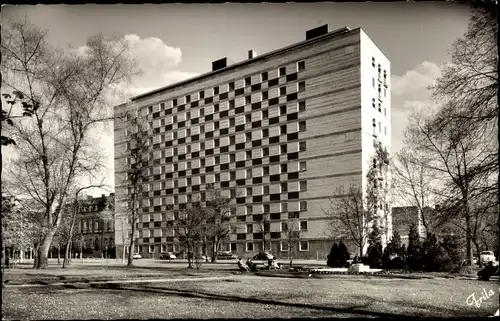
point(278, 133)
point(402, 217)
point(95, 230)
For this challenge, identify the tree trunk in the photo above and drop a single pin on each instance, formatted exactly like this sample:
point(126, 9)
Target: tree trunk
point(43, 250)
point(35, 255)
point(290, 256)
point(478, 257)
point(214, 250)
point(58, 254)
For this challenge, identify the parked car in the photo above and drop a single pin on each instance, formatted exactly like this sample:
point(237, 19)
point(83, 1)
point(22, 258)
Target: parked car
point(263, 256)
point(137, 256)
point(226, 256)
point(486, 256)
point(168, 256)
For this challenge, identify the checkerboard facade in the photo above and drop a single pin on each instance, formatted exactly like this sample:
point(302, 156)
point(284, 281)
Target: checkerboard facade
point(253, 132)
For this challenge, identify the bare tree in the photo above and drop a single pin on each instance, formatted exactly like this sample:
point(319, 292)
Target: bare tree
point(264, 226)
point(219, 212)
point(188, 228)
point(74, 210)
point(469, 85)
point(351, 215)
point(462, 162)
point(136, 175)
point(414, 182)
point(54, 146)
point(379, 189)
point(293, 235)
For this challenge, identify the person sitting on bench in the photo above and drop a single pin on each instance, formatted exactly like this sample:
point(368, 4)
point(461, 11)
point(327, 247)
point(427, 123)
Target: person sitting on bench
point(242, 265)
point(487, 272)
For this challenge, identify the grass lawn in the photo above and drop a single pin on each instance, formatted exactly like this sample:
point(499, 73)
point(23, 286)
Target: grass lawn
point(250, 296)
point(92, 272)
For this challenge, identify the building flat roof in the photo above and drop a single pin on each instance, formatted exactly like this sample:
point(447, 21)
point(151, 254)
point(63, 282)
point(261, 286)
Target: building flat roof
point(334, 33)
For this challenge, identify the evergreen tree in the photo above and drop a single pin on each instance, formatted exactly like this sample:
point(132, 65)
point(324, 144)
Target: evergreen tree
point(343, 254)
point(413, 252)
point(434, 257)
point(375, 247)
point(452, 245)
point(333, 256)
point(395, 246)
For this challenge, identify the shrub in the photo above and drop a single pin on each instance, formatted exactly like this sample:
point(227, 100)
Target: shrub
point(434, 256)
point(414, 250)
point(375, 248)
point(333, 256)
point(343, 255)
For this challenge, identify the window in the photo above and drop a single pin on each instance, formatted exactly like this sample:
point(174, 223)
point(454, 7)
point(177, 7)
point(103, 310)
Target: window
point(374, 122)
point(303, 225)
point(385, 130)
point(265, 95)
point(282, 71)
point(303, 186)
point(284, 168)
point(282, 91)
point(231, 86)
point(249, 228)
point(284, 187)
point(380, 127)
point(373, 82)
point(266, 170)
point(265, 152)
point(302, 105)
point(263, 76)
point(373, 61)
point(249, 246)
point(265, 114)
point(284, 226)
point(248, 100)
point(266, 189)
point(379, 107)
point(283, 130)
point(284, 246)
point(202, 94)
point(302, 146)
point(283, 149)
point(302, 86)
point(303, 205)
point(265, 132)
point(304, 246)
point(248, 81)
point(301, 65)
point(302, 126)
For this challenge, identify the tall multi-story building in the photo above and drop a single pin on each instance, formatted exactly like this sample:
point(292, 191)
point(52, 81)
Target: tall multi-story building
point(279, 133)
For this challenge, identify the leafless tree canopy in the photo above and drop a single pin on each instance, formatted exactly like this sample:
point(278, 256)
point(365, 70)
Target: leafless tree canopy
point(70, 89)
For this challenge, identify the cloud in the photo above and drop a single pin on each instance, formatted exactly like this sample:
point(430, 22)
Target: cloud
point(410, 92)
point(417, 81)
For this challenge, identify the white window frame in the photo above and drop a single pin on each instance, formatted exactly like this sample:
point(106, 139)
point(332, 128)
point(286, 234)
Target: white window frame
point(246, 247)
point(281, 246)
point(300, 246)
point(163, 248)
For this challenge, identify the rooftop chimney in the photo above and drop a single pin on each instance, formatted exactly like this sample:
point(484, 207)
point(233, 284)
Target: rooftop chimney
point(219, 64)
point(316, 32)
point(252, 54)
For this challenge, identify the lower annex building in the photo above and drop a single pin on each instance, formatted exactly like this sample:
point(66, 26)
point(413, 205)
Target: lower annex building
point(279, 133)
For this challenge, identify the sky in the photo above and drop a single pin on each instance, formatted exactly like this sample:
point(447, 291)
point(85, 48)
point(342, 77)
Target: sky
point(173, 42)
